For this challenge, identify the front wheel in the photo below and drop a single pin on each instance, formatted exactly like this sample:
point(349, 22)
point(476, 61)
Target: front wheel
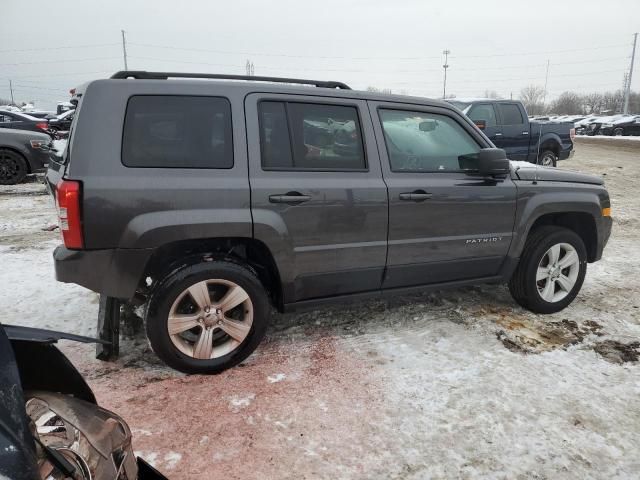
point(207, 317)
point(618, 132)
point(547, 159)
point(551, 270)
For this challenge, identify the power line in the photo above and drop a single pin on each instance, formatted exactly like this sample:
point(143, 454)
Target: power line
point(72, 60)
point(57, 48)
point(264, 54)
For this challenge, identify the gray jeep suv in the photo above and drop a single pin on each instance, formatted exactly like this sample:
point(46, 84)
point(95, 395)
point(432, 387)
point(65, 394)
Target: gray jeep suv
point(212, 201)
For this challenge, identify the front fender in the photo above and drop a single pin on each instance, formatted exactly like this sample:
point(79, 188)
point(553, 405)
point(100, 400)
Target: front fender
point(545, 198)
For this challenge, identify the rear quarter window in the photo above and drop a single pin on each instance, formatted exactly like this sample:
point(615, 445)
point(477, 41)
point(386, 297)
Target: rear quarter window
point(162, 131)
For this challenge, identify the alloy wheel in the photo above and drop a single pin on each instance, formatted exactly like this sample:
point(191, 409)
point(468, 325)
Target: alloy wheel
point(210, 319)
point(547, 160)
point(9, 167)
point(557, 272)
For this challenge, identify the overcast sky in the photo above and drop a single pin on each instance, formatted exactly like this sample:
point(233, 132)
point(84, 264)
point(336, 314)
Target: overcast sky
point(495, 45)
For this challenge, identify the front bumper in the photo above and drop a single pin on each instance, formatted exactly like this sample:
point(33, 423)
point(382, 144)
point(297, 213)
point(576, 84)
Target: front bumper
point(604, 233)
point(111, 272)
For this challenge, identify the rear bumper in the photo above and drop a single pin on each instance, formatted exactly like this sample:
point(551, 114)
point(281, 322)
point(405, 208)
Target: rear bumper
point(38, 161)
point(112, 272)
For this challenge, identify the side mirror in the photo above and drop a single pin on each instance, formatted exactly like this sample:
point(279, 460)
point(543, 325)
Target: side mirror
point(428, 125)
point(481, 124)
point(492, 161)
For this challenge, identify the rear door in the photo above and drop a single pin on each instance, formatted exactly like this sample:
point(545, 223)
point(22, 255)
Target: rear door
point(515, 131)
point(317, 195)
point(445, 223)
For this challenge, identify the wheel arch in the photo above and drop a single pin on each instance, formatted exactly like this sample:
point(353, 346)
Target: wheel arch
point(582, 223)
point(243, 250)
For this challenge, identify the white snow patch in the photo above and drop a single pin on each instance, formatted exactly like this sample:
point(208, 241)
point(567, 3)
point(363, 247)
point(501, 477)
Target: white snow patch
point(278, 377)
point(172, 459)
point(237, 403)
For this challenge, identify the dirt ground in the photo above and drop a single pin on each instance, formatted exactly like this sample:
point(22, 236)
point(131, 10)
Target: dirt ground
point(459, 384)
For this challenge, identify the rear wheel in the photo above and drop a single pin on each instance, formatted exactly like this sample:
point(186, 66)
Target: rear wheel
point(618, 132)
point(547, 158)
point(551, 270)
point(207, 317)
point(13, 167)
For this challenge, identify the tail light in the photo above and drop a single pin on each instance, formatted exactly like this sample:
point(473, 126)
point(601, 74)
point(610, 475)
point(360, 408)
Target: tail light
point(68, 203)
point(572, 133)
point(42, 125)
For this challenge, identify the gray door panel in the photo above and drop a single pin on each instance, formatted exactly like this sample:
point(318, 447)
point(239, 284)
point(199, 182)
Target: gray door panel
point(462, 229)
point(334, 241)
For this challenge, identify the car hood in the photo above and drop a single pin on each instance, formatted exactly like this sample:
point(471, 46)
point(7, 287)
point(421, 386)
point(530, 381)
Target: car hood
point(530, 171)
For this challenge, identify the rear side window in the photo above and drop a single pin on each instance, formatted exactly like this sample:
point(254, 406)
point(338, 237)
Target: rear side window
point(510, 114)
point(165, 131)
point(309, 136)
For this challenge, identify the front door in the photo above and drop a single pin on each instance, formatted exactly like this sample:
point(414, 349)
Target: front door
point(486, 113)
point(318, 199)
point(446, 222)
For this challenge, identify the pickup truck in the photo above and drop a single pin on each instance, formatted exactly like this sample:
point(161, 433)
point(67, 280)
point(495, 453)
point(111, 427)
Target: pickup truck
point(507, 125)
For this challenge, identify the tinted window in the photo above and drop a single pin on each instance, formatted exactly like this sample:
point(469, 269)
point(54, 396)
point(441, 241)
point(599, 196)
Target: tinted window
point(510, 114)
point(177, 132)
point(425, 142)
point(483, 111)
point(307, 136)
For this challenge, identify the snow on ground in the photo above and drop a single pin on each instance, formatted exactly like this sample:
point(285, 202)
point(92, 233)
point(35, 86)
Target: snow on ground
point(460, 384)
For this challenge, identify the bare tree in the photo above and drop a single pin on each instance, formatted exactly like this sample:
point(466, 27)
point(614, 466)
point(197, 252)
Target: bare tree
point(531, 96)
point(568, 103)
point(593, 102)
point(612, 101)
point(491, 94)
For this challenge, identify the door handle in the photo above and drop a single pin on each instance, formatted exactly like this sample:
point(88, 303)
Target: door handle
point(498, 135)
point(415, 196)
point(525, 133)
point(292, 198)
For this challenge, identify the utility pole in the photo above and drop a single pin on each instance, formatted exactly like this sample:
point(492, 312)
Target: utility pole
point(628, 89)
point(546, 80)
point(445, 66)
point(124, 50)
point(11, 89)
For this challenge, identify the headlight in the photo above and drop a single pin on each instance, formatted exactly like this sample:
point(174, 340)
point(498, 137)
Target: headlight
point(40, 144)
point(96, 442)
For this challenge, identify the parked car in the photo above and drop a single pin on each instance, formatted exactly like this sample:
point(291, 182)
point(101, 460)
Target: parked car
point(61, 122)
point(506, 124)
point(626, 125)
point(22, 121)
point(593, 127)
point(50, 424)
point(39, 114)
point(205, 201)
point(22, 152)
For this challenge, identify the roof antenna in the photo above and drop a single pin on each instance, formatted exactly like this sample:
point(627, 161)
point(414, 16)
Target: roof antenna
point(535, 177)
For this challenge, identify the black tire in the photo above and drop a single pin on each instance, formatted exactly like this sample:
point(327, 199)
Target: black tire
point(13, 167)
point(174, 284)
point(523, 285)
point(618, 132)
point(547, 158)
